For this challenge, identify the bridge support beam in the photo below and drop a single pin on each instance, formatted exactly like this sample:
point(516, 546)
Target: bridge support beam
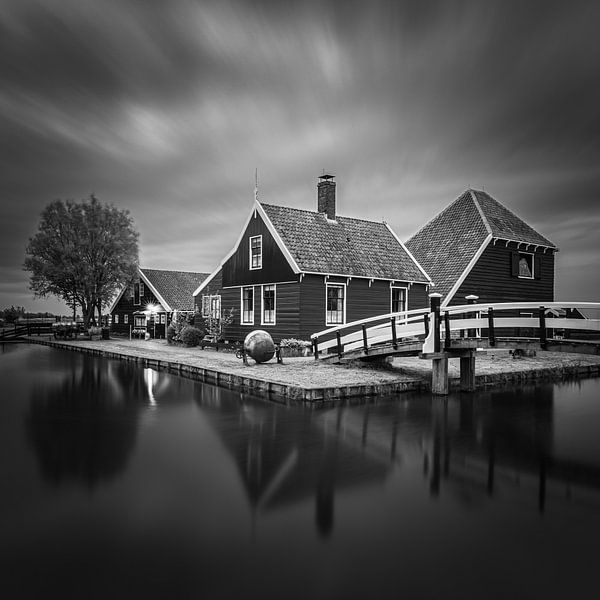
point(467, 372)
point(439, 376)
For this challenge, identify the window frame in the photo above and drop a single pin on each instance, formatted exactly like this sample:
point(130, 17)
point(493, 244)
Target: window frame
point(251, 255)
point(137, 297)
point(342, 286)
point(125, 319)
point(268, 287)
point(398, 287)
point(243, 312)
point(531, 264)
point(116, 319)
point(211, 306)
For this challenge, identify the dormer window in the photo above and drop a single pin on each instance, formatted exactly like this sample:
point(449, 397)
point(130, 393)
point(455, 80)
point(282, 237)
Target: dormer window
point(256, 252)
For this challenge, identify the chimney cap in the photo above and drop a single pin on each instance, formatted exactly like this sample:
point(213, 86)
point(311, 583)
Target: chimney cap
point(326, 176)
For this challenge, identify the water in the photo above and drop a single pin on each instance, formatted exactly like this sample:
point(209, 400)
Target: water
point(123, 482)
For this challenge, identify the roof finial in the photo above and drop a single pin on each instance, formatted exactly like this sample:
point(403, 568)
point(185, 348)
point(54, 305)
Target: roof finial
point(256, 185)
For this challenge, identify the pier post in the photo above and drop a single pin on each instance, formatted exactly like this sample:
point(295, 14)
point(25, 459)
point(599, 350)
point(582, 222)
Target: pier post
point(439, 376)
point(467, 372)
point(434, 304)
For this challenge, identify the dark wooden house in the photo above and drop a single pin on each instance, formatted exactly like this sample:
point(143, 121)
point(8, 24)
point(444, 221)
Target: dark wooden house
point(476, 246)
point(294, 272)
point(149, 301)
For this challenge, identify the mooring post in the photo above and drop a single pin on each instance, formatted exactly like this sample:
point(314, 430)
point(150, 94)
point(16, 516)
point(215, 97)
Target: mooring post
point(365, 342)
point(471, 299)
point(467, 372)
point(447, 336)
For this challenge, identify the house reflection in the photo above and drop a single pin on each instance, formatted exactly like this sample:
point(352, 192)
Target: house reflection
point(288, 455)
point(84, 427)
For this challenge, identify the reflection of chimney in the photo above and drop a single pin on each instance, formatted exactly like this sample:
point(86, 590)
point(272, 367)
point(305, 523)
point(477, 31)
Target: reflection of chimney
point(326, 195)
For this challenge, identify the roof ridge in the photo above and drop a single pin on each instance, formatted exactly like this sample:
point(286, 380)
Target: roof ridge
point(480, 210)
point(316, 212)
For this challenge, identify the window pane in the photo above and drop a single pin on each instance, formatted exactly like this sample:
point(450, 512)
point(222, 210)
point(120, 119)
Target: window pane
point(256, 252)
point(248, 305)
point(398, 299)
point(269, 304)
point(335, 305)
point(525, 266)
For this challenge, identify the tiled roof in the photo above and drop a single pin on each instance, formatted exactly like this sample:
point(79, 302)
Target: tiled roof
point(176, 287)
point(349, 247)
point(445, 246)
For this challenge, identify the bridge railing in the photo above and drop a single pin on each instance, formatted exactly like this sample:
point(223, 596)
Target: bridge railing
point(496, 319)
point(394, 327)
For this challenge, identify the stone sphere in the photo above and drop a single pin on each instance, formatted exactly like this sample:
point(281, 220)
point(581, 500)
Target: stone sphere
point(259, 346)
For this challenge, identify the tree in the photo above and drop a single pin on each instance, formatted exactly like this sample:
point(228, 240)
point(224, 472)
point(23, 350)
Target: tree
point(82, 253)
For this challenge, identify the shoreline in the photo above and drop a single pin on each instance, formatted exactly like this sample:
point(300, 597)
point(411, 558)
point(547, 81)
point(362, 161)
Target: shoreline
point(313, 382)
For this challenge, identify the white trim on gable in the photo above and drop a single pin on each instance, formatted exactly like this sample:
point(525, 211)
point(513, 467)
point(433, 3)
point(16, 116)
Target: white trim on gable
point(163, 302)
point(467, 270)
point(207, 281)
point(480, 210)
point(429, 280)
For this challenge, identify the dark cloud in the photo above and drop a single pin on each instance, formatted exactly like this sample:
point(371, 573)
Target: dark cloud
point(167, 108)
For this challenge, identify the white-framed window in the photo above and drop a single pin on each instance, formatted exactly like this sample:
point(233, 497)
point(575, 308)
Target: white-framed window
point(268, 305)
point(398, 299)
point(126, 319)
point(142, 289)
point(211, 306)
point(116, 319)
point(526, 265)
point(335, 304)
point(256, 252)
point(247, 308)
point(139, 320)
point(163, 319)
point(136, 293)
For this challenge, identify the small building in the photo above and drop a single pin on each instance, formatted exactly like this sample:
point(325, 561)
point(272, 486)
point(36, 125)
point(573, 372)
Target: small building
point(294, 272)
point(476, 246)
point(148, 302)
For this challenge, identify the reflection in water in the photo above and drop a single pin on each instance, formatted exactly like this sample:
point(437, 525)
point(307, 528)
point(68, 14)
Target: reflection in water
point(84, 427)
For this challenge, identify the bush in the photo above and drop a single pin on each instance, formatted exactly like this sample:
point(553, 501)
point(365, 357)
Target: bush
point(191, 336)
point(295, 344)
point(171, 333)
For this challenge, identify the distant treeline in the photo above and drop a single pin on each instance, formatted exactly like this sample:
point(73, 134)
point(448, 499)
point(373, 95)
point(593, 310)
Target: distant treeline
point(17, 314)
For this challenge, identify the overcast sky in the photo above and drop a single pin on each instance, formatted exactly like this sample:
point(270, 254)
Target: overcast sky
point(167, 108)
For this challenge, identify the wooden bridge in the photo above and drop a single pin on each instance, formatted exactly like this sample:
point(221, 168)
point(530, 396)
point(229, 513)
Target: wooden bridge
point(438, 334)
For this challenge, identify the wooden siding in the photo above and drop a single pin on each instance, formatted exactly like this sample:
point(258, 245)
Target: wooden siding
point(236, 270)
point(492, 281)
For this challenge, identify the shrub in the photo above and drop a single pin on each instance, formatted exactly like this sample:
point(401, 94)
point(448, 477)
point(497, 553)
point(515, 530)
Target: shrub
point(294, 343)
point(171, 333)
point(191, 336)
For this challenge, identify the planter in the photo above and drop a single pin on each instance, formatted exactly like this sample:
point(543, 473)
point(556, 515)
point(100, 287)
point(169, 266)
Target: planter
point(288, 352)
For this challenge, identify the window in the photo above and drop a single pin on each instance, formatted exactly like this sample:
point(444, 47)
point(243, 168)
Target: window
point(116, 318)
point(256, 252)
point(139, 321)
point(335, 309)
point(142, 290)
point(136, 293)
point(163, 319)
point(525, 265)
point(268, 305)
point(211, 306)
point(247, 306)
point(126, 319)
point(398, 303)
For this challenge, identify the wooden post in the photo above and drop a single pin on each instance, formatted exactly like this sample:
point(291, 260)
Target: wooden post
point(439, 376)
point(543, 332)
point(434, 303)
point(448, 338)
point(467, 372)
point(316, 347)
point(339, 344)
point(426, 324)
point(471, 299)
point(491, 332)
point(365, 343)
point(394, 337)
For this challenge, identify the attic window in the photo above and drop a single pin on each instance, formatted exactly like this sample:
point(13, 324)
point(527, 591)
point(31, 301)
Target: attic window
point(256, 252)
point(525, 265)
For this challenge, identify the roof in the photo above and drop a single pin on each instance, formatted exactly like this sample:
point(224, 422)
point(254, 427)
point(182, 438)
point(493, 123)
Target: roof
point(176, 288)
point(450, 244)
point(346, 246)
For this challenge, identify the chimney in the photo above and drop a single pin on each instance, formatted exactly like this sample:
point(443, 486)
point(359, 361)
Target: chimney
point(326, 196)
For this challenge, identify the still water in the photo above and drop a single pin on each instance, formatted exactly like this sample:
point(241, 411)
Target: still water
point(124, 482)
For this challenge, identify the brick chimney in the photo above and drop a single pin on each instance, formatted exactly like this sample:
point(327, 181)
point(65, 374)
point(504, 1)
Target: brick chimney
point(326, 196)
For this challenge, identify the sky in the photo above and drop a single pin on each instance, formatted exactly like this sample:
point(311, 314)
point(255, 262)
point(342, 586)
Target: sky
point(167, 109)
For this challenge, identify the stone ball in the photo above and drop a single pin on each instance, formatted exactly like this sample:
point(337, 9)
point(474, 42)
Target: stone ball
point(259, 345)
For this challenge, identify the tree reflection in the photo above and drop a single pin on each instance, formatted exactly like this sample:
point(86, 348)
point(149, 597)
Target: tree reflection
point(84, 428)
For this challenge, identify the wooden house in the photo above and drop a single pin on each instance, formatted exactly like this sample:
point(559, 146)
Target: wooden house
point(294, 272)
point(476, 246)
point(148, 303)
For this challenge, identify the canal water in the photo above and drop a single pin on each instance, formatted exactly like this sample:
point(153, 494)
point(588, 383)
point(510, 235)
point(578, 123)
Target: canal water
point(125, 482)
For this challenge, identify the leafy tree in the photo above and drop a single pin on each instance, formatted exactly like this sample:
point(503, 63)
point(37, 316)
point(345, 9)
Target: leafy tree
point(12, 314)
point(83, 252)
